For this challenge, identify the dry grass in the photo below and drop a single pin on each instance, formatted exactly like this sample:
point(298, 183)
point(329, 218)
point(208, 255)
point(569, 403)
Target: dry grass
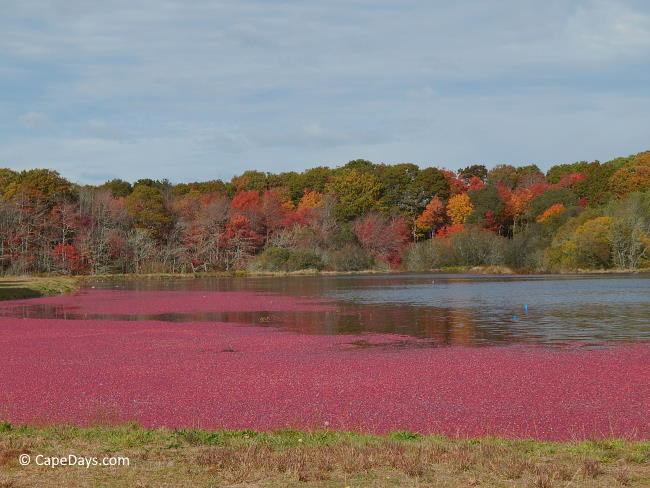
point(199, 458)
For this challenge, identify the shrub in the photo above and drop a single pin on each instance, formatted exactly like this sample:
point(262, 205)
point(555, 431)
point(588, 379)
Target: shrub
point(470, 247)
point(477, 247)
point(431, 254)
point(282, 259)
point(349, 258)
point(526, 249)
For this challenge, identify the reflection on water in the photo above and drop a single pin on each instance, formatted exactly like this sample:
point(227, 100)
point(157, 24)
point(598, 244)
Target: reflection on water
point(464, 310)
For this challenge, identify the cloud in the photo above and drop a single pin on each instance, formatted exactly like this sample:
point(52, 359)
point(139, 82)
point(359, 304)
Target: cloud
point(34, 120)
point(213, 87)
point(102, 130)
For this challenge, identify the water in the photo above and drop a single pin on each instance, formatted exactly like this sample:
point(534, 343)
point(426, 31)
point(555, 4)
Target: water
point(456, 309)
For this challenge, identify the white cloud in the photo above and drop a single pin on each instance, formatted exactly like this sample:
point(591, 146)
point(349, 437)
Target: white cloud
point(609, 29)
point(102, 130)
point(34, 120)
point(293, 84)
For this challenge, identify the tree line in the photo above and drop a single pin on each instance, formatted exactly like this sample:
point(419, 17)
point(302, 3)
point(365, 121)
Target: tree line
point(357, 216)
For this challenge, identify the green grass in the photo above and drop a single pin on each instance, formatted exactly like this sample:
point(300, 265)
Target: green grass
point(288, 458)
point(14, 288)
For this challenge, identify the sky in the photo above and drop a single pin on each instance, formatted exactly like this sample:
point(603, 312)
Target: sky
point(193, 90)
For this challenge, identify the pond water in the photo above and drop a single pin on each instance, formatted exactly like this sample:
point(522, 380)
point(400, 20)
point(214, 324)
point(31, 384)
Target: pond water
point(440, 309)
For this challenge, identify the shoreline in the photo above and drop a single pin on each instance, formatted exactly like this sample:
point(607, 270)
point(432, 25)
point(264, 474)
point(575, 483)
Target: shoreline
point(28, 286)
point(477, 270)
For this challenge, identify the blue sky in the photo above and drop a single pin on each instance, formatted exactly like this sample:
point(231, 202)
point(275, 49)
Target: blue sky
point(193, 90)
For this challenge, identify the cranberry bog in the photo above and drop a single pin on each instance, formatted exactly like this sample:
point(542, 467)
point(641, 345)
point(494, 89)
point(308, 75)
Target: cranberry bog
point(225, 375)
point(190, 382)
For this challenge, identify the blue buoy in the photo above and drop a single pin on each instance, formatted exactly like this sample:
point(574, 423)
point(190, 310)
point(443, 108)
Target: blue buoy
point(525, 308)
point(514, 317)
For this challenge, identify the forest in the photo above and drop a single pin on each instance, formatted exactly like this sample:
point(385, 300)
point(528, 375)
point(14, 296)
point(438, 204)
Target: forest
point(359, 216)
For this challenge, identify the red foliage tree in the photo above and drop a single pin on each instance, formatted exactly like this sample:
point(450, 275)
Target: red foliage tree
point(456, 184)
point(448, 230)
point(384, 238)
point(570, 179)
point(475, 183)
point(67, 258)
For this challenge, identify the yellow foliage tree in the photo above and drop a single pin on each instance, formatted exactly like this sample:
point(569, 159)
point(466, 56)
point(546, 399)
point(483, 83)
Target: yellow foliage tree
point(459, 208)
point(592, 240)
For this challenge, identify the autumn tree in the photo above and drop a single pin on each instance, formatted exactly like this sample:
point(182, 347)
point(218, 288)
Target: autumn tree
point(7, 176)
point(550, 197)
point(146, 206)
point(474, 171)
point(314, 179)
point(104, 222)
point(275, 208)
point(595, 187)
point(428, 182)
point(118, 188)
point(594, 249)
point(550, 212)
point(251, 180)
point(582, 245)
point(459, 208)
point(310, 200)
point(630, 230)
point(586, 214)
point(487, 206)
point(455, 184)
point(432, 217)
point(633, 177)
point(555, 174)
point(356, 193)
point(529, 175)
point(141, 247)
point(516, 203)
point(211, 186)
point(398, 182)
point(503, 174)
point(67, 259)
point(382, 236)
point(360, 165)
point(48, 182)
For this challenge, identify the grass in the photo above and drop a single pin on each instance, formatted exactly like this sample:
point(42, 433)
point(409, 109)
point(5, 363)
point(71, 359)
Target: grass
point(18, 287)
point(201, 458)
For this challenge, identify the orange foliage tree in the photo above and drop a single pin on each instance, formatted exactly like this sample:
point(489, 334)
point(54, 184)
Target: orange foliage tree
point(311, 199)
point(516, 204)
point(432, 217)
point(632, 178)
point(555, 209)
